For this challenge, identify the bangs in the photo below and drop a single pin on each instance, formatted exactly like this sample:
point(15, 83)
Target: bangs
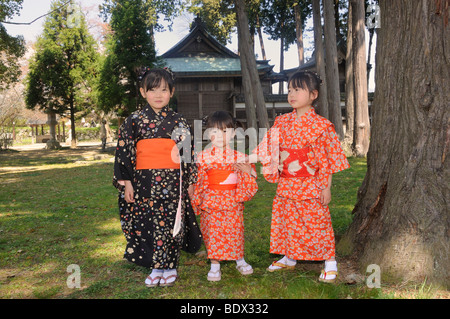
point(152, 82)
point(221, 120)
point(300, 81)
point(155, 77)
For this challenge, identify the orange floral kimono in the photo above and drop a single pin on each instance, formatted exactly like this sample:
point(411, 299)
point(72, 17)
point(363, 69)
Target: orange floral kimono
point(219, 197)
point(299, 155)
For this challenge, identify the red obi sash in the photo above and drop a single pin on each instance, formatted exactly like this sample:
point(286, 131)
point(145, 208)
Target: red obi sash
point(220, 179)
point(295, 162)
point(157, 153)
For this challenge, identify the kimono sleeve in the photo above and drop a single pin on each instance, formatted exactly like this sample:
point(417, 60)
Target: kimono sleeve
point(199, 188)
point(247, 186)
point(268, 152)
point(125, 152)
point(331, 157)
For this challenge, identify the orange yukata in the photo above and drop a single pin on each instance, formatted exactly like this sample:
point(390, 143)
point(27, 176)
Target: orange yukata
point(299, 155)
point(219, 197)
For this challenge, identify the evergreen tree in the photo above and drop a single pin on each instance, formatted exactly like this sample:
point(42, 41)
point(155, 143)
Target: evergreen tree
point(11, 48)
point(63, 68)
point(129, 47)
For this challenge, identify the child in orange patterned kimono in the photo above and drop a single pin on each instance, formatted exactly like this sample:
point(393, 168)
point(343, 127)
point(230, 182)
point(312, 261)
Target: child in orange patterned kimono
point(300, 153)
point(219, 195)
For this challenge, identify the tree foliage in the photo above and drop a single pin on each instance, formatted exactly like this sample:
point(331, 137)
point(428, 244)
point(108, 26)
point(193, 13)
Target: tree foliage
point(11, 48)
point(219, 17)
point(279, 21)
point(63, 68)
point(129, 46)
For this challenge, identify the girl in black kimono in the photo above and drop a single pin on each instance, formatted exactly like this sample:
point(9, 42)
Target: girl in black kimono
point(147, 170)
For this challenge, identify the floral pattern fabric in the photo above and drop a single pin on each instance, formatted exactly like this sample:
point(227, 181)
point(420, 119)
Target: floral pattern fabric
point(148, 223)
point(301, 227)
point(221, 211)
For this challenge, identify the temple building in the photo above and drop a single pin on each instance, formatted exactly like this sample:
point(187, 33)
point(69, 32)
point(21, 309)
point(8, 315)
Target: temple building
point(208, 76)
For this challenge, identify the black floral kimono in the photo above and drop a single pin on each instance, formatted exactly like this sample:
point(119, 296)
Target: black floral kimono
point(148, 223)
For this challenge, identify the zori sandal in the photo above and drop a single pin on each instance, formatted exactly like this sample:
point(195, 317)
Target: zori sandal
point(244, 269)
point(152, 282)
point(282, 267)
point(324, 274)
point(166, 279)
point(214, 275)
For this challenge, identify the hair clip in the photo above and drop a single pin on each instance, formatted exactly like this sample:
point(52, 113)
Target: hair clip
point(316, 75)
point(143, 72)
point(170, 72)
point(205, 120)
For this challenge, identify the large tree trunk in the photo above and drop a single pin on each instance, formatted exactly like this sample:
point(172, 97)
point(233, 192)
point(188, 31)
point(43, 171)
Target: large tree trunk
point(361, 133)
point(320, 59)
point(334, 94)
point(248, 61)
point(401, 219)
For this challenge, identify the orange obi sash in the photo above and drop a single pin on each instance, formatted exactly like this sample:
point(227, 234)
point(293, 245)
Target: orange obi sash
point(157, 153)
point(295, 162)
point(220, 179)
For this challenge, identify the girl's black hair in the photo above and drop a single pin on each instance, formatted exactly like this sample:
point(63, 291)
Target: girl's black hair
point(151, 78)
point(306, 80)
point(221, 120)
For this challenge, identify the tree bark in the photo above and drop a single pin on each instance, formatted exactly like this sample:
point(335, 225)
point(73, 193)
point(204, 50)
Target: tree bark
point(349, 81)
point(248, 61)
point(299, 35)
point(401, 218)
point(281, 83)
point(334, 94)
point(361, 130)
point(320, 59)
point(261, 39)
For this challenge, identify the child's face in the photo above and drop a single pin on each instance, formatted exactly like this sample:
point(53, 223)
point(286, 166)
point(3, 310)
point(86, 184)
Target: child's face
point(300, 98)
point(220, 137)
point(158, 97)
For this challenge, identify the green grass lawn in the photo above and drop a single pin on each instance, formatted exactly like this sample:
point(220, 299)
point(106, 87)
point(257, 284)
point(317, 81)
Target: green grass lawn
point(60, 208)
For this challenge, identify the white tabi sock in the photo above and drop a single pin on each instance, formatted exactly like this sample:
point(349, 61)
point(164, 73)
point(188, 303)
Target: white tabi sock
point(285, 261)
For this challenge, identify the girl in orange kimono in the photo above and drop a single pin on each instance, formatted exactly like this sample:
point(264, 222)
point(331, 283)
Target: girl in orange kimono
point(300, 153)
point(222, 188)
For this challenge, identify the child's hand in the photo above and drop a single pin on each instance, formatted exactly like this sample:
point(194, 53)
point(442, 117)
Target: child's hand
point(244, 167)
point(325, 196)
point(191, 191)
point(129, 192)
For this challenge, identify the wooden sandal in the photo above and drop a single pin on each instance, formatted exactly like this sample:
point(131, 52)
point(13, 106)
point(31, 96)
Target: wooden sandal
point(282, 267)
point(152, 281)
point(168, 284)
point(324, 274)
point(245, 272)
point(214, 278)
